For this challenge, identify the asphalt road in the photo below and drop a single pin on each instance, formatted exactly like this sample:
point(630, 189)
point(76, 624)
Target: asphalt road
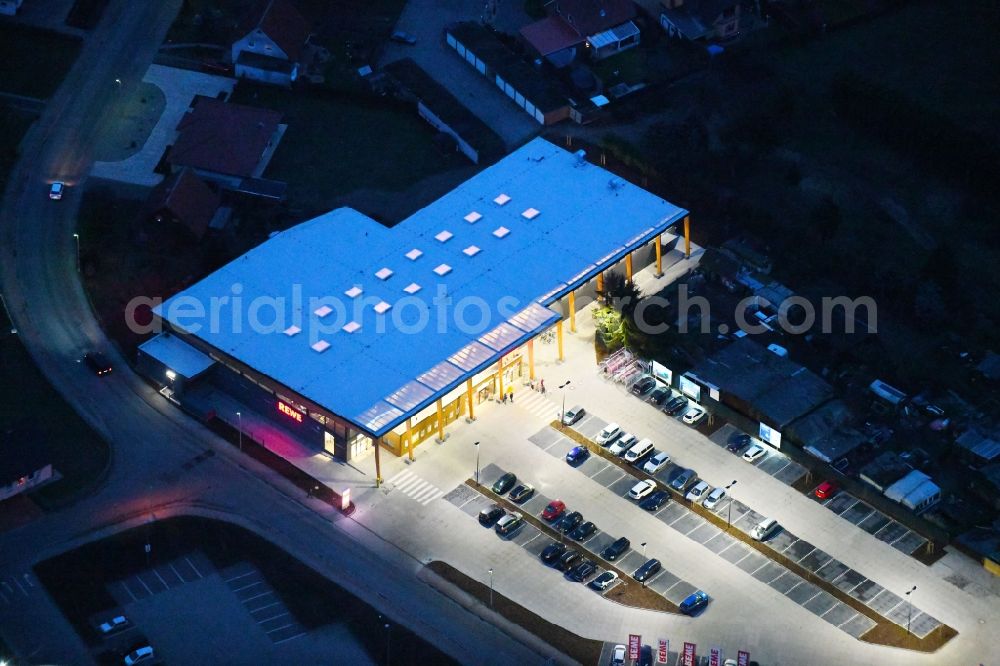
point(151, 440)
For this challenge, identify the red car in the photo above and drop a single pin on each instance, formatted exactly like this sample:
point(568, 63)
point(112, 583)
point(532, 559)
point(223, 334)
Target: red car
point(554, 510)
point(825, 490)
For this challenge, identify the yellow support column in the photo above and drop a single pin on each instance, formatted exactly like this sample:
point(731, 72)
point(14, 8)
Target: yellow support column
point(409, 437)
point(559, 335)
point(531, 359)
point(572, 312)
point(500, 376)
point(659, 256)
point(687, 236)
point(468, 391)
point(600, 284)
point(628, 267)
point(378, 462)
point(440, 421)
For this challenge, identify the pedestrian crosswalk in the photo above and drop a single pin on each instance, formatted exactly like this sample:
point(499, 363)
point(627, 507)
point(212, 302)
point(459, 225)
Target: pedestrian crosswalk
point(536, 403)
point(415, 487)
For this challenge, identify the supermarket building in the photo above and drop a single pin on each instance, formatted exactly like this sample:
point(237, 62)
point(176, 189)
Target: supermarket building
point(356, 337)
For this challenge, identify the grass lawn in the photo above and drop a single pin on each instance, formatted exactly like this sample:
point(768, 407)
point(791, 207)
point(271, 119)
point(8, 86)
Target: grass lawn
point(14, 124)
point(335, 145)
point(28, 402)
point(33, 62)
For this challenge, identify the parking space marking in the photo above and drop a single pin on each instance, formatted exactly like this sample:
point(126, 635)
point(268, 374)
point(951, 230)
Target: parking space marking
point(246, 587)
point(126, 588)
point(274, 617)
point(285, 640)
point(161, 578)
point(139, 578)
point(242, 575)
point(190, 564)
point(270, 605)
point(20, 587)
point(177, 573)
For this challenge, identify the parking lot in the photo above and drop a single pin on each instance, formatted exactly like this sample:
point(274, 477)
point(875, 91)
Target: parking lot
point(874, 522)
point(161, 577)
point(264, 605)
point(775, 463)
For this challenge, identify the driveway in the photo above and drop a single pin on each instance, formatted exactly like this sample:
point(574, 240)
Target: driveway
point(426, 20)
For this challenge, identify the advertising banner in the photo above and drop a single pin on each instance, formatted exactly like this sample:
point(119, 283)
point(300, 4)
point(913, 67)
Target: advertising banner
point(663, 373)
point(770, 435)
point(663, 651)
point(634, 641)
point(690, 389)
point(743, 658)
point(687, 657)
point(715, 657)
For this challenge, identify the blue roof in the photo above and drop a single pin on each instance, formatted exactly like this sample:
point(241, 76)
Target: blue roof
point(497, 250)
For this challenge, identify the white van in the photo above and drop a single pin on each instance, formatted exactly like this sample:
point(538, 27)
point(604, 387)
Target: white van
point(608, 435)
point(764, 529)
point(639, 450)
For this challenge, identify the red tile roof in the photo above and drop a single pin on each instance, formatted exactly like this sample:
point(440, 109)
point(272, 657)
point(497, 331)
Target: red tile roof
point(187, 198)
point(550, 35)
point(281, 22)
point(223, 138)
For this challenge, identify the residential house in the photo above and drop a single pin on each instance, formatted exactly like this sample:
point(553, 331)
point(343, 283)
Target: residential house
point(225, 143)
point(10, 7)
point(700, 19)
point(270, 43)
point(183, 200)
point(601, 27)
point(24, 464)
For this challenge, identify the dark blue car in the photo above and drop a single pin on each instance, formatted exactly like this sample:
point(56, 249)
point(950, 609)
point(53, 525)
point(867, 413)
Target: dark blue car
point(694, 603)
point(577, 455)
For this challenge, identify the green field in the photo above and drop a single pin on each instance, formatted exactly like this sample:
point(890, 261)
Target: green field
point(33, 62)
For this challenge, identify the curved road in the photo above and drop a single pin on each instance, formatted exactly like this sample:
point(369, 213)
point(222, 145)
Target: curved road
point(151, 440)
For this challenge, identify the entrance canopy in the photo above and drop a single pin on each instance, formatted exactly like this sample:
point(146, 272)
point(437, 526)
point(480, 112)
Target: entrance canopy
point(177, 355)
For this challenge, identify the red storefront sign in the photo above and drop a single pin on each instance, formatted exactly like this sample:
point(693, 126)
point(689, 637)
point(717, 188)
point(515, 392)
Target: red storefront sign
point(661, 654)
point(634, 641)
point(688, 654)
point(290, 412)
point(743, 658)
point(715, 657)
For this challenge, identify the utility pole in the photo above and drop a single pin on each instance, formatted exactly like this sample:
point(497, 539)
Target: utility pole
point(239, 417)
point(909, 608)
point(477, 463)
point(729, 517)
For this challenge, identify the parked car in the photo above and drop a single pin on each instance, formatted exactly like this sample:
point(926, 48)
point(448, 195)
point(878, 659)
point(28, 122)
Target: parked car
point(713, 498)
point(826, 490)
point(675, 406)
point(490, 515)
point(504, 483)
point(641, 489)
point(56, 190)
point(639, 451)
point(582, 571)
point(521, 493)
point(655, 501)
point(608, 434)
point(764, 529)
point(140, 655)
point(738, 442)
point(618, 656)
point(113, 625)
point(577, 455)
point(684, 478)
point(694, 416)
point(509, 524)
point(604, 581)
point(570, 522)
point(552, 552)
point(616, 549)
point(583, 531)
point(649, 569)
point(755, 452)
point(553, 510)
point(568, 559)
point(401, 37)
point(659, 395)
point(622, 444)
point(694, 603)
point(656, 463)
point(571, 416)
point(697, 491)
point(644, 385)
point(98, 363)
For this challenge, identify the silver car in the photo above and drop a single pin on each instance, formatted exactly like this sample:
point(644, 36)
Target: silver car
point(713, 498)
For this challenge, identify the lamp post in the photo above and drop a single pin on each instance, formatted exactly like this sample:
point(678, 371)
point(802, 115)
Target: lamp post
point(388, 635)
point(491, 588)
point(643, 544)
point(562, 416)
point(477, 463)
point(76, 237)
point(909, 608)
point(729, 516)
point(239, 417)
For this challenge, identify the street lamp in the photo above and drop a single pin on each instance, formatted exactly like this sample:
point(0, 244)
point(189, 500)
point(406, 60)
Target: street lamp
point(491, 588)
point(77, 238)
point(909, 608)
point(388, 634)
point(729, 516)
point(643, 544)
point(562, 417)
point(239, 416)
point(477, 463)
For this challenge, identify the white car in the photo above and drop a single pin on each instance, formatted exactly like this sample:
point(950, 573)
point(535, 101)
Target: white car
point(641, 489)
point(755, 452)
point(713, 498)
point(622, 444)
point(764, 529)
point(639, 450)
point(113, 625)
point(56, 190)
point(618, 656)
point(608, 435)
point(656, 463)
point(698, 491)
point(694, 415)
point(140, 656)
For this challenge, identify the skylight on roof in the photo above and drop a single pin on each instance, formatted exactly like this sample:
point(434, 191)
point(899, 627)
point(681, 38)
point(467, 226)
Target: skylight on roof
point(444, 235)
point(530, 214)
point(501, 199)
point(292, 330)
point(443, 269)
point(321, 346)
point(351, 326)
point(353, 292)
point(322, 311)
point(412, 288)
point(383, 273)
point(382, 307)
point(471, 251)
point(500, 232)
point(473, 217)
point(414, 254)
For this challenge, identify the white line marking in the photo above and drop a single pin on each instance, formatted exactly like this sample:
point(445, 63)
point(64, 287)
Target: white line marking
point(177, 573)
point(402, 474)
point(284, 626)
point(161, 578)
point(229, 580)
point(432, 498)
point(139, 578)
point(193, 567)
point(247, 587)
point(260, 608)
point(20, 587)
point(257, 596)
point(283, 640)
point(125, 585)
point(273, 617)
point(27, 579)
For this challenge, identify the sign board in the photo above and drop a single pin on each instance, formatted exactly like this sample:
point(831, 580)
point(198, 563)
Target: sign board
point(690, 389)
point(663, 651)
point(663, 373)
point(743, 658)
point(290, 412)
point(770, 435)
point(713, 393)
point(687, 657)
point(715, 657)
point(345, 499)
point(634, 641)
